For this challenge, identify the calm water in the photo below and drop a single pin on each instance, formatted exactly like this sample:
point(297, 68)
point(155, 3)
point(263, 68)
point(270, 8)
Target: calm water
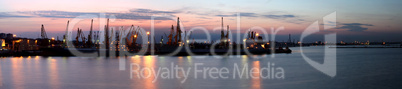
point(356, 68)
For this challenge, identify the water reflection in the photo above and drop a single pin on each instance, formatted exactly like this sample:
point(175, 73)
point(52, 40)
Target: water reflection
point(135, 60)
point(53, 74)
point(50, 71)
point(147, 76)
point(37, 72)
point(255, 79)
point(149, 62)
point(17, 73)
point(1, 76)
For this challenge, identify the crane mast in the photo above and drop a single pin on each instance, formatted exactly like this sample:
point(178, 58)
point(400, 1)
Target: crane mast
point(89, 43)
point(43, 32)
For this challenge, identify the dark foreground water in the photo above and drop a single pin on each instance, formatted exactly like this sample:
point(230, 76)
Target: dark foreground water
point(356, 68)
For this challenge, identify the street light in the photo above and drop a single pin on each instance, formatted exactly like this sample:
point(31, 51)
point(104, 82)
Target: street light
point(257, 34)
point(148, 36)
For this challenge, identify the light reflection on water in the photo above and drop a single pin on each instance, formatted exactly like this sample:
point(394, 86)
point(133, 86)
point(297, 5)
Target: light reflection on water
point(53, 73)
point(103, 73)
point(256, 82)
point(149, 61)
point(18, 78)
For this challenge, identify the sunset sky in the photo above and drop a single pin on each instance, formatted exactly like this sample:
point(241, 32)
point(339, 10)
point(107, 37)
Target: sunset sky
point(360, 20)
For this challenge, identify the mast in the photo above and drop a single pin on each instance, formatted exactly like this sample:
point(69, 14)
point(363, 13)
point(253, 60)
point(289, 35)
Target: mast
point(227, 33)
point(107, 38)
point(222, 33)
point(66, 35)
point(170, 41)
point(222, 23)
point(89, 42)
point(43, 32)
point(178, 30)
point(78, 35)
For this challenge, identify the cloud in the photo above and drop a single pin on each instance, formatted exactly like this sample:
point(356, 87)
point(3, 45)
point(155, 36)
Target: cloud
point(55, 14)
point(8, 14)
point(133, 14)
point(241, 14)
point(279, 16)
point(357, 24)
point(284, 16)
point(274, 15)
point(153, 11)
point(356, 27)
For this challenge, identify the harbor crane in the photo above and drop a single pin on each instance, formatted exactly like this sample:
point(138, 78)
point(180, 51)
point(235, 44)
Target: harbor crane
point(43, 32)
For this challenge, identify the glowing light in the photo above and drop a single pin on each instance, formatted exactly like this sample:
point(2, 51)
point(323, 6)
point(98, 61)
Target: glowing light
point(52, 38)
point(14, 35)
point(135, 36)
point(18, 41)
point(147, 32)
point(3, 43)
point(257, 34)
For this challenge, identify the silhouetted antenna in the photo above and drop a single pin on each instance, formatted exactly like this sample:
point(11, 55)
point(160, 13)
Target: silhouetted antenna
point(66, 35)
point(222, 24)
